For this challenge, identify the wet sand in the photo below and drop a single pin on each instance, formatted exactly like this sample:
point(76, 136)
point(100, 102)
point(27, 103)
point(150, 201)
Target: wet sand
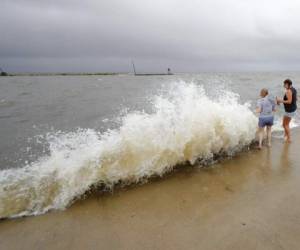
point(249, 202)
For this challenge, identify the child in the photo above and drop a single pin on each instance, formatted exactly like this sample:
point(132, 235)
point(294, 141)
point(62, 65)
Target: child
point(265, 109)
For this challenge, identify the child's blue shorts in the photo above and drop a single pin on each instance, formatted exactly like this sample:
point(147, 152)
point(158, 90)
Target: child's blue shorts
point(265, 121)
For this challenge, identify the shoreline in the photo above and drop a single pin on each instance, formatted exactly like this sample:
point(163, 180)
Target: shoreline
point(66, 74)
point(248, 202)
point(86, 74)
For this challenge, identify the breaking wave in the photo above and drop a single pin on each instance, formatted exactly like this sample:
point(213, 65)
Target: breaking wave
point(185, 125)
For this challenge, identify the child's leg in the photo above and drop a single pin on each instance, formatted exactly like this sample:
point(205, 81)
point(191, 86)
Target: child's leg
point(269, 131)
point(260, 136)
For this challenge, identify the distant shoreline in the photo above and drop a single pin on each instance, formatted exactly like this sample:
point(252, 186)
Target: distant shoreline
point(66, 74)
point(86, 74)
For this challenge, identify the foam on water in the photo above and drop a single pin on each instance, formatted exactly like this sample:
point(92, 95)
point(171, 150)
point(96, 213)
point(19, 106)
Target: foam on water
point(277, 129)
point(185, 125)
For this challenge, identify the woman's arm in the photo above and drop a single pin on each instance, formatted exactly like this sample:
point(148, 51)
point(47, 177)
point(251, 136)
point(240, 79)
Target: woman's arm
point(289, 98)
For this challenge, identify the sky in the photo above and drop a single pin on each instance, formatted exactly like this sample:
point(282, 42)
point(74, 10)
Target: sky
point(185, 35)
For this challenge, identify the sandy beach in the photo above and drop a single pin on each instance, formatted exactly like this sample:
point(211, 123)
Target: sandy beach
point(249, 202)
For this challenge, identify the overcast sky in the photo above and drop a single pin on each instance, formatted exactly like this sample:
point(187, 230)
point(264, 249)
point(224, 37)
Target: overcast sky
point(186, 35)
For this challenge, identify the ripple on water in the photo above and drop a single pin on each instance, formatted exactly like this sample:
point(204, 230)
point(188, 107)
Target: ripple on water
point(6, 104)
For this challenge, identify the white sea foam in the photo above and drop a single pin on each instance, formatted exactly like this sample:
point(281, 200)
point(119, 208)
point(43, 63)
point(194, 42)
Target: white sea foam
point(185, 125)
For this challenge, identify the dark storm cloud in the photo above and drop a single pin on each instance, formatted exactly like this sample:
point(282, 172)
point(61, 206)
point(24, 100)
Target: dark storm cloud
point(186, 35)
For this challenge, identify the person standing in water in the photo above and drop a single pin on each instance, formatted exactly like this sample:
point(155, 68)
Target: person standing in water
point(265, 108)
point(290, 106)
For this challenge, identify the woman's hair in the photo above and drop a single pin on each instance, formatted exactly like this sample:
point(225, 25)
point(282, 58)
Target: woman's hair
point(288, 82)
point(264, 92)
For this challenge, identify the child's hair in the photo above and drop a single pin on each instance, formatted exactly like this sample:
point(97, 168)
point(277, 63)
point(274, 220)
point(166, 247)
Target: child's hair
point(264, 92)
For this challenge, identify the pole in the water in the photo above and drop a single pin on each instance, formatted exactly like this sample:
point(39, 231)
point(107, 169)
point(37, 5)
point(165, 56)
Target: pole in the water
point(133, 68)
point(3, 73)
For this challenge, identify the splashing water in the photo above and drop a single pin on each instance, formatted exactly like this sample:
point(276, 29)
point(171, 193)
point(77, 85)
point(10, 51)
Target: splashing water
point(186, 125)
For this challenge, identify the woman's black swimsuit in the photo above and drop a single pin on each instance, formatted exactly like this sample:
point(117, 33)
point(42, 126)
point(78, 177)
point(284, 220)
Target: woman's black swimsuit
point(289, 108)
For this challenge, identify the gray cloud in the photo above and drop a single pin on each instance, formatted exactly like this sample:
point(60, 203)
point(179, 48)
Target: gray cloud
point(185, 35)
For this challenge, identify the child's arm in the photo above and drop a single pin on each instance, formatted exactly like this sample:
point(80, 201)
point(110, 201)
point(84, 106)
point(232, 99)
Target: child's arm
point(258, 107)
point(258, 110)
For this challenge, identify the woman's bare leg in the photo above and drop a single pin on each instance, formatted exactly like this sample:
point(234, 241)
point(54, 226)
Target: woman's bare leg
point(287, 121)
point(269, 131)
point(284, 127)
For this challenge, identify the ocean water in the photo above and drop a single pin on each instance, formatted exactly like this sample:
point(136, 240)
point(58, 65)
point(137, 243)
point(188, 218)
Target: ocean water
point(62, 135)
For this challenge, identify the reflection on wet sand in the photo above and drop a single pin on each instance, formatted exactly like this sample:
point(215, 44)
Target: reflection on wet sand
point(285, 161)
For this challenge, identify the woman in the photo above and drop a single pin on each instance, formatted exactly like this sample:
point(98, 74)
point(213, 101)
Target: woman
point(290, 106)
point(265, 108)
